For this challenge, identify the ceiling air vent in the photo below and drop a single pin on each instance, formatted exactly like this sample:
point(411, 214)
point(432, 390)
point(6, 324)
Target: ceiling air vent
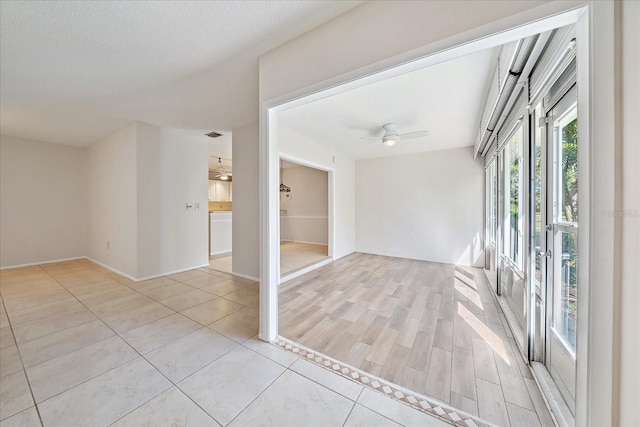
point(213, 134)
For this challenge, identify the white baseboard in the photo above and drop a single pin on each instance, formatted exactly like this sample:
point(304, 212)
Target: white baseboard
point(303, 241)
point(108, 267)
point(121, 273)
point(245, 276)
point(220, 253)
point(304, 270)
point(140, 279)
point(31, 264)
point(182, 270)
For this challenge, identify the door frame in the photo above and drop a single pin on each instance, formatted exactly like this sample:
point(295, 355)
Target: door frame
point(597, 34)
point(331, 191)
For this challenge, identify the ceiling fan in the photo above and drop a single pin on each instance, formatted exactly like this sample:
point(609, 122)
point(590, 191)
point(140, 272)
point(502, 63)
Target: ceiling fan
point(220, 173)
point(391, 136)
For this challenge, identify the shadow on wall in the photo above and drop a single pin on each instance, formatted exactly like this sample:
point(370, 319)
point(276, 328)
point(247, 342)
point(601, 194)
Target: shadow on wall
point(473, 254)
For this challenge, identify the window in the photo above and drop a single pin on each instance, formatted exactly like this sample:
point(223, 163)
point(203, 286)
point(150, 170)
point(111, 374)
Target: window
point(492, 185)
point(538, 202)
point(512, 192)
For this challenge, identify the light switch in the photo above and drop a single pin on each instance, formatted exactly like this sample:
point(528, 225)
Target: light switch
point(197, 206)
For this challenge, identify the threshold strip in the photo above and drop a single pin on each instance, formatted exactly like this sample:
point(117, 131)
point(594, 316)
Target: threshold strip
point(417, 401)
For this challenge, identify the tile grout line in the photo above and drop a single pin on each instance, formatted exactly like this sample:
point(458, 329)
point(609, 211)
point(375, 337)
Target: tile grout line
point(176, 384)
point(193, 373)
point(119, 336)
point(141, 355)
point(255, 398)
point(350, 411)
point(24, 369)
point(109, 370)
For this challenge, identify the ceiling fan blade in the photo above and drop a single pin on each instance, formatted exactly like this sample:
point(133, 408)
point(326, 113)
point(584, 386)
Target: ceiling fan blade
point(371, 138)
point(413, 135)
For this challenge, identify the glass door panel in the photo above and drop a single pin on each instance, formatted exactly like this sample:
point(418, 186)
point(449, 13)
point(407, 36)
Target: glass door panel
point(565, 293)
point(512, 284)
point(491, 215)
point(538, 258)
point(562, 237)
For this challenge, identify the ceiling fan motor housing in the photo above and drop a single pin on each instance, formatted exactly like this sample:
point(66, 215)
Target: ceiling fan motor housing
point(390, 136)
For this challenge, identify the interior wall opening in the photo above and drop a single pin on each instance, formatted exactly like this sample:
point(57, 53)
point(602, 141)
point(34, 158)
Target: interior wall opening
point(517, 245)
point(304, 218)
point(409, 304)
point(220, 203)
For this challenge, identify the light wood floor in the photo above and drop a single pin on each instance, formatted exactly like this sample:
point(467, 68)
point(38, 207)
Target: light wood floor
point(294, 256)
point(432, 328)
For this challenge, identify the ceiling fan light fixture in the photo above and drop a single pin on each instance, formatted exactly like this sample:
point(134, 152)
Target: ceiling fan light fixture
point(224, 177)
point(391, 137)
point(390, 141)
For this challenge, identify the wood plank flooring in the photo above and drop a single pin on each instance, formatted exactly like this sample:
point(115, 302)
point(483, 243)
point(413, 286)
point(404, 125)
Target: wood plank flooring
point(433, 328)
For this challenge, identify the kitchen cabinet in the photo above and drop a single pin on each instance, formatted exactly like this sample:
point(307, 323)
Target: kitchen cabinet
point(220, 191)
point(220, 231)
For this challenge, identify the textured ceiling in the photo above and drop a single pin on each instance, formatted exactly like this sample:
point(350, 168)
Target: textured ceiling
point(74, 71)
point(445, 99)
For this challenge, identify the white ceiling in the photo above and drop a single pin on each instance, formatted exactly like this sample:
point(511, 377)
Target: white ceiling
point(445, 99)
point(73, 72)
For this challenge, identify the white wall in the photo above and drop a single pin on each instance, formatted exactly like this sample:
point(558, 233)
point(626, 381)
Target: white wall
point(296, 147)
point(304, 211)
point(172, 170)
point(426, 206)
point(356, 39)
point(43, 211)
point(139, 182)
point(113, 201)
point(246, 233)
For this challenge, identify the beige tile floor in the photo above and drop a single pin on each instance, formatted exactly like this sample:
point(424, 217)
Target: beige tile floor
point(221, 263)
point(83, 346)
point(293, 257)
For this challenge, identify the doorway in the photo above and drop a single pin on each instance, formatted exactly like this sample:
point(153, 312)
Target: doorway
point(269, 325)
point(304, 218)
point(220, 202)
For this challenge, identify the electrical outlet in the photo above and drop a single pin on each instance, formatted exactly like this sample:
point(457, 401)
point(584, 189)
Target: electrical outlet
point(189, 206)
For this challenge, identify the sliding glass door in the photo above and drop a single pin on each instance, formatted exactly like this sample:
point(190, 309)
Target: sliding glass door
point(562, 247)
point(512, 286)
point(532, 215)
point(491, 249)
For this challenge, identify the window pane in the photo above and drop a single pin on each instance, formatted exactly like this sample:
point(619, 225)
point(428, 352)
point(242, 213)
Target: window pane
point(566, 295)
point(537, 195)
point(493, 187)
point(567, 132)
point(512, 165)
